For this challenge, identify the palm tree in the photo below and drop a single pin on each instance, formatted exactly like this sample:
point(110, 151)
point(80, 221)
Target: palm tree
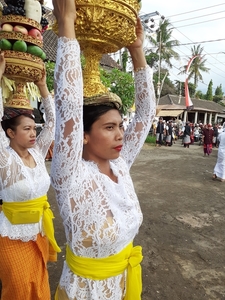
point(197, 66)
point(164, 43)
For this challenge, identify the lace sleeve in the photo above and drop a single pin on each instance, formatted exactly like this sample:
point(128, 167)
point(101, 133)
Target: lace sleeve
point(46, 136)
point(145, 105)
point(68, 149)
point(3, 139)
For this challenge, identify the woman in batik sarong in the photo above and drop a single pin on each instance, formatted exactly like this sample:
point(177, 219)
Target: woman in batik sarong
point(26, 228)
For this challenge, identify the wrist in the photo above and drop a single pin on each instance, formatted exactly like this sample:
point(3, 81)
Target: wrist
point(138, 58)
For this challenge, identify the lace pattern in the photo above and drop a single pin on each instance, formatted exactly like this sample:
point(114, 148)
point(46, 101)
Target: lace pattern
point(21, 183)
point(100, 216)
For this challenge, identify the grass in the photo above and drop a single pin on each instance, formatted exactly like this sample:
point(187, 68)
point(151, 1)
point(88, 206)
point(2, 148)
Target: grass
point(151, 139)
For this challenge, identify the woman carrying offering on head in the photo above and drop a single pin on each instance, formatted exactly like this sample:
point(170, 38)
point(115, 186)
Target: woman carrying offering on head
point(91, 173)
point(26, 228)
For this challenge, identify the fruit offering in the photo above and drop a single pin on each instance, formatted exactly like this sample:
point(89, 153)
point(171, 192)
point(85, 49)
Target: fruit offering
point(31, 9)
point(22, 25)
point(21, 29)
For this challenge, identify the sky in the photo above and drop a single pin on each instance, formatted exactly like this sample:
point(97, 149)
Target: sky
point(194, 22)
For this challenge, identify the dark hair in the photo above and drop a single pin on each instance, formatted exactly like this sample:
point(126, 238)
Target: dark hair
point(92, 113)
point(13, 122)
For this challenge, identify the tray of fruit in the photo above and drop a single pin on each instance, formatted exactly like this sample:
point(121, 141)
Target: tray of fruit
point(21, 27)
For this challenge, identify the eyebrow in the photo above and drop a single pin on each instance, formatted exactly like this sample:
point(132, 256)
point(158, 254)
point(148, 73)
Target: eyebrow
point(112, 123)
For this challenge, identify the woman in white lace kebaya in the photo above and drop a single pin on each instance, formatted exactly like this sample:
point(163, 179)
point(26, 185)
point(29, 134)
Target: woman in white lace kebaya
point(24, 182)
point(90, 173)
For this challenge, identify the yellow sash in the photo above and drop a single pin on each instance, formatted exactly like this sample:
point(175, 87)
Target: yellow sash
point(31, 211)
point(102, 268)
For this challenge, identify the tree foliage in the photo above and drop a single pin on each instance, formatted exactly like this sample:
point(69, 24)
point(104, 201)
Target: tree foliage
point(164, 43)
point(209, 93)
point(218, 94)
point(122, 84)
point(50, 67)
point(199, 95)
point(180, 88)
point(197, 66)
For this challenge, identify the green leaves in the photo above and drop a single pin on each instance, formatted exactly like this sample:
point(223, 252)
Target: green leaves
point(122, 84)
point(50, 67)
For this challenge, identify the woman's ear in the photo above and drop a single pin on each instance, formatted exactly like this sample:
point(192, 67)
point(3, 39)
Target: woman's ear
point(85, 141)
point(10, 133)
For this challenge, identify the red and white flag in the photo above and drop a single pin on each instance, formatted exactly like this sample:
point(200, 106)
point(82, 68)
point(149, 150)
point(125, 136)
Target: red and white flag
point(188, 102)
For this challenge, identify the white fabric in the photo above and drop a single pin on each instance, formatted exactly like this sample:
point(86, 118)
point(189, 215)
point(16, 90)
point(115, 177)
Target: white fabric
point(100, 216)
point(219, 169)
point(19, 182)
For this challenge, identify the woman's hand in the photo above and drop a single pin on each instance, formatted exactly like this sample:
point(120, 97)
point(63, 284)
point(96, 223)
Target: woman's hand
point(42, 85)
point(140, 37)
point(42, 81)
point(2, 64)
point(136, 48)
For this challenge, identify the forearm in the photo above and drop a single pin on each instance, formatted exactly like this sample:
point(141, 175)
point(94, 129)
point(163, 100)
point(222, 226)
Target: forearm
point(66, 29)
point(138, 59)
point(44, 92)
point(46, 135)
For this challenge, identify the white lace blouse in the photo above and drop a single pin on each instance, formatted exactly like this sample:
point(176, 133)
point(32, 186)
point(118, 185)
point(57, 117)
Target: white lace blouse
point(100, 216)
point(21, 183)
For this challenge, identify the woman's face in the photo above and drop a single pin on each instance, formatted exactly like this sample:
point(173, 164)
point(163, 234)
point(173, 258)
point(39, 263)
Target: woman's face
point(25, 133)
point(105, 139)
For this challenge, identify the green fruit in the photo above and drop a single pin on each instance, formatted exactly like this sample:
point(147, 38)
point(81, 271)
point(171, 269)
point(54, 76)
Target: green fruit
point(5, 44)
point(35, 50)
point(43, 56)
point(20, 46)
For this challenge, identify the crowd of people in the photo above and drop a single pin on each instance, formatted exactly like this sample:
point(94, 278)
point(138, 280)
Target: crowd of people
point(168, 132)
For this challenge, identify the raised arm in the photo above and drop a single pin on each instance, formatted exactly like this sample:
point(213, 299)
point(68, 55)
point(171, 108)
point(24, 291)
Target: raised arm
point(68, 98)
point(46, 136)
point(145, 105)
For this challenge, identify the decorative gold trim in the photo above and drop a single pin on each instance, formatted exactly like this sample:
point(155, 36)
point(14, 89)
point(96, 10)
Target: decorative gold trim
point(19, 99)
point(23, 66)
point(19, 103)
point(16, 19)
point(102, 26)
point(104, 99)
point(13, 35)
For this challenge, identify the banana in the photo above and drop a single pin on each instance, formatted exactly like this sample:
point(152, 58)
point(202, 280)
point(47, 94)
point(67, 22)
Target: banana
point(33, 10)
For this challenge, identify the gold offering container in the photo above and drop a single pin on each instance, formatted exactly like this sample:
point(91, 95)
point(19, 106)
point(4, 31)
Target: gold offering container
point(102, 26)
point(18, 36)
point(21, 67)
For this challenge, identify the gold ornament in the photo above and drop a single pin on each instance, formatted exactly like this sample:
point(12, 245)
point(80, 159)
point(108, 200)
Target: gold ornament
point(22, 68)
point(102, 26)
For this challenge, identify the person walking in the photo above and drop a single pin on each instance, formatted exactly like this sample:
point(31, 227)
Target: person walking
point(207, 138)
point(160, 130)
point(187, 135)
point(169, 134)
point(26, 227)
point(91, 173)
point(219, 170)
